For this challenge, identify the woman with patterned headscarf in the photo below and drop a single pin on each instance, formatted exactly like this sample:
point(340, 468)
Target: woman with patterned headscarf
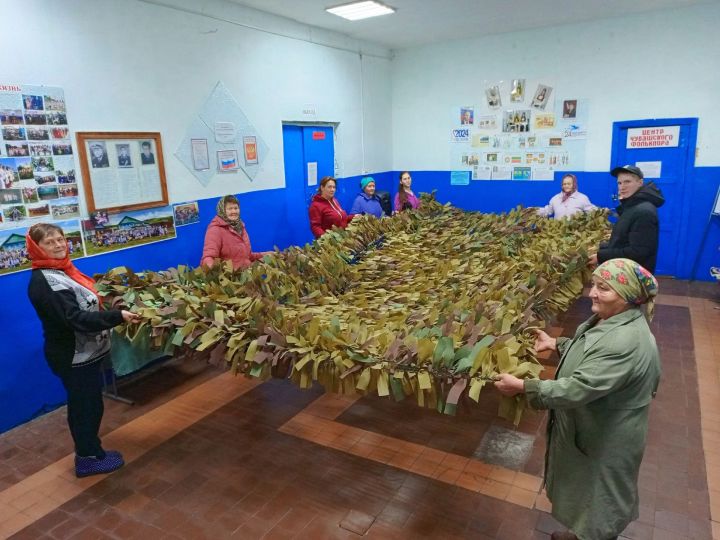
point(227, 239)
point(568, 202)
point(599, 403)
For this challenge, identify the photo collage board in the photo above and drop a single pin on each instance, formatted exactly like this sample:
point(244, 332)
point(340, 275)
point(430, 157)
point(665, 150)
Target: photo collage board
point(39, 184)
point(520, 130)
point(38, 180)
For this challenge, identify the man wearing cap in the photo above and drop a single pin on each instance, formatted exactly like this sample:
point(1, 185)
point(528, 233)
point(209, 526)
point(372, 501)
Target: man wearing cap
point(367, 202)
point(635, 234)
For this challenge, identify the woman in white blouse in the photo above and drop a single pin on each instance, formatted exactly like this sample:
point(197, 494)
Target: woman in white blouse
point(568, 202)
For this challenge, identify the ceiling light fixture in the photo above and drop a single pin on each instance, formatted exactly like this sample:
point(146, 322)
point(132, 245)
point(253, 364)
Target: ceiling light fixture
point(360, 10)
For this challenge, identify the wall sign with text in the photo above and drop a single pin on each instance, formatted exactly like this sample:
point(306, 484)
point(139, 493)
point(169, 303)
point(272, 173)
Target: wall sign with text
point(653, 137)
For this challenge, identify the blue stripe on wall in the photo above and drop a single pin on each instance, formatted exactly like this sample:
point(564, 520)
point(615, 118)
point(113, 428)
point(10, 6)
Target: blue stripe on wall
point(28, 388)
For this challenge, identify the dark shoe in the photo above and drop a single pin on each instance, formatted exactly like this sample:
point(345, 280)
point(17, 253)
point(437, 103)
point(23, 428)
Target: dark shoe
point(563, 535)
point(87, 466)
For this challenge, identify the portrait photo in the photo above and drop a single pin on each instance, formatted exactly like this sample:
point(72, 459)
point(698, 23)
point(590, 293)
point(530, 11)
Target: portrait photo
point(467, 116)
point(570, 108)
point(147, 157)
point(98, 155)
point(123, 155)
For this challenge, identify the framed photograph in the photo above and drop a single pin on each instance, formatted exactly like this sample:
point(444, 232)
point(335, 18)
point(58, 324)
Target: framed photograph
point(122, 170)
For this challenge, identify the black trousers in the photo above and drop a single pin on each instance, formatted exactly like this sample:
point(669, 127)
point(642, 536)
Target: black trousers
point(85, 407)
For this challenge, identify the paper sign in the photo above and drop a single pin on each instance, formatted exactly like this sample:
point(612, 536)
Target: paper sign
point(654, 137)
point(224, 132)
point(460, 135)
point(312, 173)
point(501, 173)
point(200, 155)
point(543, 174)
point(459, 178)
point(650, 169)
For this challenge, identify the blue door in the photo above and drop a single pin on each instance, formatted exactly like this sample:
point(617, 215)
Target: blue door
point(675, 163)
point(303, 145)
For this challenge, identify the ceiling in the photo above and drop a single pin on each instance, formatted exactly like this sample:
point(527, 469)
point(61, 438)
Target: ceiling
point(418, 22)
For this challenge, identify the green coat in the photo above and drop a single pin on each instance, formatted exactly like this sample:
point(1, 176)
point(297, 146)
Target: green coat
point(599, 401)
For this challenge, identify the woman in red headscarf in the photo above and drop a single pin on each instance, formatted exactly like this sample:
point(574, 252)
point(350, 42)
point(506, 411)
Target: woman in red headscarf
point(568, 202)
point(76, 340)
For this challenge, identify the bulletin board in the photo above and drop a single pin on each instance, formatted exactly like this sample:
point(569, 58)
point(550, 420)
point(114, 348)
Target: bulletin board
point(519, 129)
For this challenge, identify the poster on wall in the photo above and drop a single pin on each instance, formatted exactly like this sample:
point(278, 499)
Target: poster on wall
point(13, 248)
point(488, 122)
point(123, 230)
point(492, 95)
point(250, 150)
point(200, 154)
point(516, 121)
point(517, 91)
point(467, 116)
point(37, 166)
point(460, 178)
point(186, 213)
point(541, 97)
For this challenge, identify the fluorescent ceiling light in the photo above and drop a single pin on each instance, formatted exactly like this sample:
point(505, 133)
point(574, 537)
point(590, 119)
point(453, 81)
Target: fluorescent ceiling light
point(360, 10)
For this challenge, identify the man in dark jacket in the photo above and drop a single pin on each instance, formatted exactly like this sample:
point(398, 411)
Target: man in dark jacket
point(635, 235)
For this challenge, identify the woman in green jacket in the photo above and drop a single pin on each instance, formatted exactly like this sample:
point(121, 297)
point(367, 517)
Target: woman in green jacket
point(599, 403)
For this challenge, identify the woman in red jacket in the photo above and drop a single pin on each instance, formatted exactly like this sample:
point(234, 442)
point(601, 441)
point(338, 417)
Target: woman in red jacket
point(325, 210)
point(227, 239)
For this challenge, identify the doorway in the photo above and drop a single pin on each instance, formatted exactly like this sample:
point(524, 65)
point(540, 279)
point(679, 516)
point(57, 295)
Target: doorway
point(666, 150)
point(309, 154)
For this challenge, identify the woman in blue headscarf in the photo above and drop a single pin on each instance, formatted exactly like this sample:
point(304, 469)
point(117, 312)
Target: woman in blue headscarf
point(367, 202)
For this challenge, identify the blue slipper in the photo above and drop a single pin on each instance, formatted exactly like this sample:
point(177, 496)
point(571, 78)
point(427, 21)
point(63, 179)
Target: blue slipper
point(87, 466)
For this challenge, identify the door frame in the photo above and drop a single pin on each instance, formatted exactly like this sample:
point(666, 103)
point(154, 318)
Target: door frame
point(684, 271)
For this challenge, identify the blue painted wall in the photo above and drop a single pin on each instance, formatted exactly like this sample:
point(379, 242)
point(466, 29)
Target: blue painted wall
point(28, 388)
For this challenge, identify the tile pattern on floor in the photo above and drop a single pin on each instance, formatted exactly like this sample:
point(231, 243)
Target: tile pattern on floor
point(246, 468)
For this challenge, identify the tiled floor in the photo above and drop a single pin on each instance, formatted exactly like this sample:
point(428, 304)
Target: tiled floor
point(211, 455)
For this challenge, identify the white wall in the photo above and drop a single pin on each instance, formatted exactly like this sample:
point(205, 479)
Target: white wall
point(138, 66)
point(656, 65)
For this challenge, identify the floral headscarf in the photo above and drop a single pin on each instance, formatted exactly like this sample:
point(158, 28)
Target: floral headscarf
point(631, 281)
point(566, 196)
point(236, 224)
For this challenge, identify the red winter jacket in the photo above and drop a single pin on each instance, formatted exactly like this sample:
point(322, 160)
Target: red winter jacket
point(223, 242)
point(324, 215)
